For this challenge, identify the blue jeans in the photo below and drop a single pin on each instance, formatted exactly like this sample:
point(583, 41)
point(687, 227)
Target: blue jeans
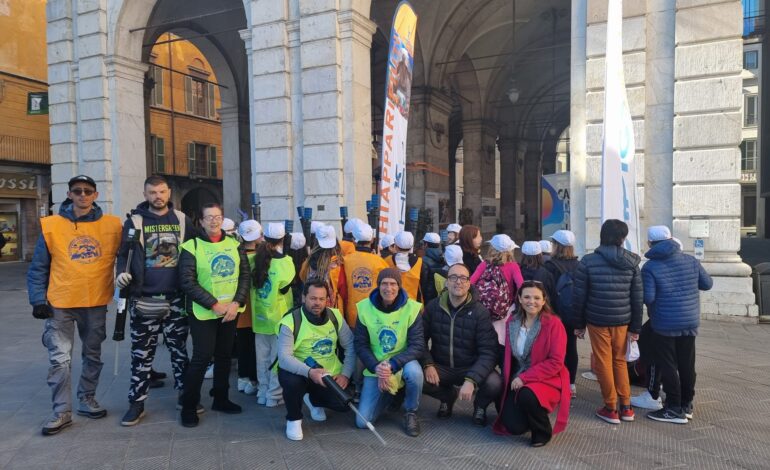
point(58, 337)
point(373, 401)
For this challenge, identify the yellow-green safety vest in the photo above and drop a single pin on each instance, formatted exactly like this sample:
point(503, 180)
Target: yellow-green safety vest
point(387, 331)
point(217, 267)
point(268, 305)
point(317, 341)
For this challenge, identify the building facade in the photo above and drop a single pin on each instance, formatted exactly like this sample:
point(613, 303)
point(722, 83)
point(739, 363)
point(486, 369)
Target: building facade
point(302, 90)
point(24, 133)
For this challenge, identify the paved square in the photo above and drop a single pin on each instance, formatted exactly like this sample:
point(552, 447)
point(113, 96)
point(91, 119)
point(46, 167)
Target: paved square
point(731, 428)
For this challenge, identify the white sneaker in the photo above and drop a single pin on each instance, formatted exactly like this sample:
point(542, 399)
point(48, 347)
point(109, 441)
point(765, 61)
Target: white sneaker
point(645, 400)
point(242, 384)
point(294, 430)
point(316, 412)
point(209, 372)
point(261, 400)
point(251, 388)
point(272, 402)
point(573, 391)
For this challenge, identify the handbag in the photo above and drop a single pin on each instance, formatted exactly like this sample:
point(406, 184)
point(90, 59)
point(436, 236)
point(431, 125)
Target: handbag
point(152, 308)
point(632, 351)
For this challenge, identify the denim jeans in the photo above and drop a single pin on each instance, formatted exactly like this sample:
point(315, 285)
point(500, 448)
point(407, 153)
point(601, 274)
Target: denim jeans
point(58, 337)
point(373, 401)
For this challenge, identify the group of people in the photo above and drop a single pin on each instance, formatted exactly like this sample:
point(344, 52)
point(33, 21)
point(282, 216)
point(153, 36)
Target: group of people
point(384, 325)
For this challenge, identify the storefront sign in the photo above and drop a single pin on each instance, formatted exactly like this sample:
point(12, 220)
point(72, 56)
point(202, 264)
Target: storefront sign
point(16, 185)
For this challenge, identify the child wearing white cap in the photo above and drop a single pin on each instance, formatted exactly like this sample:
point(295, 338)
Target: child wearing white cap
point(453, 233)
point(532, 262)
point(325, 263)
point(415, 274)
point(271, 297)
point(433, 256)
point(250, 233)
point(453, 254)
point(298, 254)
point(498, 271)
point(387, 245)
point(546, 248)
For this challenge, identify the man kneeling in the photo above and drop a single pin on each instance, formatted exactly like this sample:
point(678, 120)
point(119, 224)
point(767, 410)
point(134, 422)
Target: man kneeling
point(312, 334)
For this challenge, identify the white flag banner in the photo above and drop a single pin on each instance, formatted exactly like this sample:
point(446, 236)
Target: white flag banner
point(619, 195)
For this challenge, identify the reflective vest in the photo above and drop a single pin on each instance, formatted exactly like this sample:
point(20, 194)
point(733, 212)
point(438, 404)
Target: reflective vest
point(387, 331)
point(334, 300)
point(361, 271)
point(82, 266)
point(410, 280)
point(317, 341)
point(268, 305)
point(217, 268)
point(347, 247)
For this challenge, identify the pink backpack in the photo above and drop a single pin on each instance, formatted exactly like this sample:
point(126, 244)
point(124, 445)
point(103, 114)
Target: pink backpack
point(495, 294)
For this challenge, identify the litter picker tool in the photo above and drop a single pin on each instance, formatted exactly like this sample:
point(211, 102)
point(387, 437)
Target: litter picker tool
point(343, 396)
point(119, 334)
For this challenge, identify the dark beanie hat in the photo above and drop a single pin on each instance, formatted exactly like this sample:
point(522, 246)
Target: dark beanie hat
point(390, 273)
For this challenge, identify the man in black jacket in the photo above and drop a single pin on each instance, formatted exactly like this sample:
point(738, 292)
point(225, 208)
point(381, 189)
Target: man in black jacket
point(463, 348)
point(154, 273)
point(608, 297)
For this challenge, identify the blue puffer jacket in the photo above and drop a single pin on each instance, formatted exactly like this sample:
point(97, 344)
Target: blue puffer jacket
point(672, 280)
point(607, 289)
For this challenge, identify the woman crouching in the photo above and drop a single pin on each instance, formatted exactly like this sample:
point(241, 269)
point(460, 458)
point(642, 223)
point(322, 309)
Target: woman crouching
point(535, 345)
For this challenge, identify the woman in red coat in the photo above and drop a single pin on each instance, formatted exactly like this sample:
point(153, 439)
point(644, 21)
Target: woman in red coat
point(535, 344)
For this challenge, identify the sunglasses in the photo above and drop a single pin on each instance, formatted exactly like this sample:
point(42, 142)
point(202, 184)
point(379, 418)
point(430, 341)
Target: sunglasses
point(81, 191)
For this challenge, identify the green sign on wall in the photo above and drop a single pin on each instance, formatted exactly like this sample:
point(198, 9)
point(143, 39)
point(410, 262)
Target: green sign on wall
point(37, 103)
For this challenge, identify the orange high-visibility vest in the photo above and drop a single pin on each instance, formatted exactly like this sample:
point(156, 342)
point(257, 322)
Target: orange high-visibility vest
point(347, 247)
point(335, 298)
point(410, 280)
point(361, 271)
point(82, 260)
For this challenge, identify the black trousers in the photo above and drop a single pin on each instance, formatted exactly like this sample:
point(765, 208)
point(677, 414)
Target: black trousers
point(571, 356)
point(522, 412)
point(647, 359)
point(296, 386)
point(247, 355)
point(209, 338)
point(675, 356)
point(487, 391)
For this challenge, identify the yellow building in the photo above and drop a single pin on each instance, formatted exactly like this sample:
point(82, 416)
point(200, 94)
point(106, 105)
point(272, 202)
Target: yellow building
point(185, 129)
point(25, 156)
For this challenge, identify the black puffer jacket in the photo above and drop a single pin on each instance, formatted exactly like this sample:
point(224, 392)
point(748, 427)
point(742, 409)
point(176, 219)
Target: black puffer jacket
point(188, 275)
point(608, 289)
point(466, 340)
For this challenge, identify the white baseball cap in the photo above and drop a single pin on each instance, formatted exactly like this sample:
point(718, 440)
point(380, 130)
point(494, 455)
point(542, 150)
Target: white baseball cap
point(453, 228)
point(545, 246)
point(531, 248)
point(431, 237)
point(502, 243)
point(327, 237)
point(453, 254)
point(564, 237)
point(275, 231)
point(386, 241)
point(363, 232)
point(350, 225)
point(405, 240)
point(315, 225)
point(250, 230)
point(657, 233)
point(228, 225)
point(297, 240)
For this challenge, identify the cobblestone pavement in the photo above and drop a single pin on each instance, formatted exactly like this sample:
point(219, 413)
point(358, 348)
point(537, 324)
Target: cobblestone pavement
point(731, 428)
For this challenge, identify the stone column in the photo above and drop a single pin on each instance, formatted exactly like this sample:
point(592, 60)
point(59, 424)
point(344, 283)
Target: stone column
point(271, 114)
point(707, 132)
point(532, 171)
point(508, 183)
point(577, 130)
point(477, 162)
point(62, 107)
point(659, 112)
point(231, 171)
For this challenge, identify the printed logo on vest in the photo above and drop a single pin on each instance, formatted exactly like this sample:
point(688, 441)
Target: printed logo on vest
point(84, 249)
point(264, 291)
point(222, 266)
point(387, 339)
point(323, 347)
point(362, 279)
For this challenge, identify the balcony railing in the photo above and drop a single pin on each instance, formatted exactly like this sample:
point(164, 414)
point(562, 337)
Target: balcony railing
point(20, 149)
point(754, 25)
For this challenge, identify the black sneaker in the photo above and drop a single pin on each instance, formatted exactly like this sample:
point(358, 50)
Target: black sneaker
point(226, 406)
point(397, 401)
point(134, 414)
point(198, 409)
point(479, 417)
point(155, 375)
point(444, 411)
point(668, 415)
point(687, 409)
point(189, 418)
point(411, 424)
point(156, 383)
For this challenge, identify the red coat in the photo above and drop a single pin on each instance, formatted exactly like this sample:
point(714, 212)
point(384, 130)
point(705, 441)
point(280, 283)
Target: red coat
point(547, 376)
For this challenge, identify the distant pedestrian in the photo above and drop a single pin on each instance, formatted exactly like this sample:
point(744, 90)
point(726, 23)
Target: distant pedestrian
point(470, 241)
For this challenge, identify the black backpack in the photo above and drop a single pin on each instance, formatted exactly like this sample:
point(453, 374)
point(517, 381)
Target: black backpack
point(564, 290)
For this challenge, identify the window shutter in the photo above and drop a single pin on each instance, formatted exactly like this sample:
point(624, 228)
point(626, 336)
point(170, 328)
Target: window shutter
point(191, 170)
point(188, 98)
point(212, 103)
point(160, 153)
point(213, 161)
point(158, 86)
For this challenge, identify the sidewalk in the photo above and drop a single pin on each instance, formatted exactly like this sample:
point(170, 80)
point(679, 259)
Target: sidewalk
point(730, 428)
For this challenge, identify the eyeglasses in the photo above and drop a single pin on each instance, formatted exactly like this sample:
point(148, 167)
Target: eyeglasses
point(456, 278)
point(211, 218)
point(81, 191)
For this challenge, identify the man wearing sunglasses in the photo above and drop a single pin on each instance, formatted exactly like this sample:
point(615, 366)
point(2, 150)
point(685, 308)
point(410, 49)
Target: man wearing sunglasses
point(70, 283)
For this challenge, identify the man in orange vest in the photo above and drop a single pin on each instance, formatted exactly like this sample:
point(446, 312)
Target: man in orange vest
point(415, 274)
point(70, 282)
point(361, 269)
